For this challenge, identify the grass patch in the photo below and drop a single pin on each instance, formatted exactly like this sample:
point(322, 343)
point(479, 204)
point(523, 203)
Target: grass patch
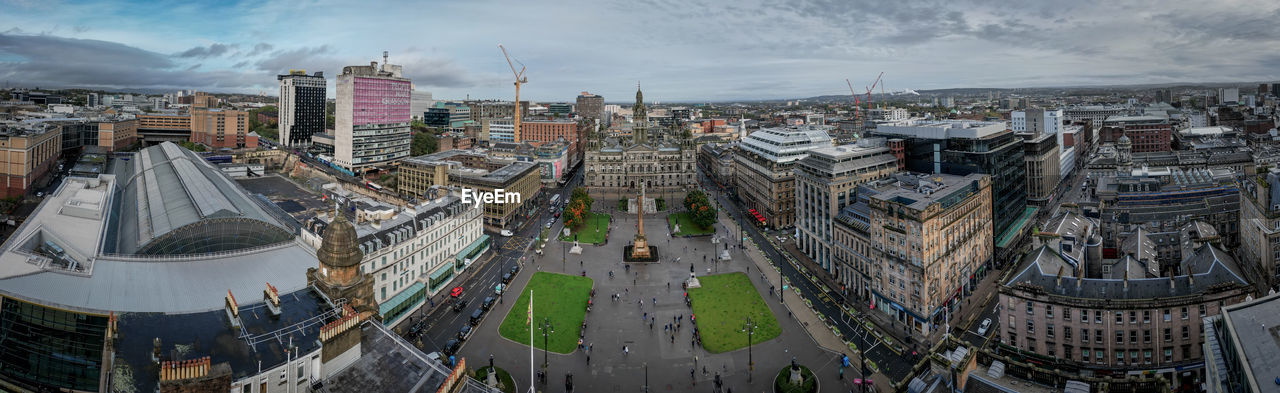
point(505, 383)
point(559, 297)
point(722, 305)
point(687, 227)
point(593, 231)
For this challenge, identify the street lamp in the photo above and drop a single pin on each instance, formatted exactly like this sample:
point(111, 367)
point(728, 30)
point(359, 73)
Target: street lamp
point(750, 328)
point(547, 329)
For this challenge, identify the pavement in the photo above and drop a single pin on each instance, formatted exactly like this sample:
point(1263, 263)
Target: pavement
point(653, 358)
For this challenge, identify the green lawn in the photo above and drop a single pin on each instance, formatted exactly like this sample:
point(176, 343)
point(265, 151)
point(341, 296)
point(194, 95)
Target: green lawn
point(507, 384)
point(560, 297)
point(722, 305)
point(686, 224)
point(591, 232)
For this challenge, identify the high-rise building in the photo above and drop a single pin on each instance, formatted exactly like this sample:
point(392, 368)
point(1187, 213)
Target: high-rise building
point(1229, 95)
point(826, 181)
point(117, 134)
point(964, 147)
point(1260, 229)
point(498, 130)
point(301, 109)
point(1041, 156)
point(93, 100)
point(372, 117)
point(765, 174)
point(916, 244)
point(591, 106)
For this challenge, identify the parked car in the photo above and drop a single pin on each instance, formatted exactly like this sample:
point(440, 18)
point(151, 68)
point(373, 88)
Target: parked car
point(476, 316)
point(514, 269)
point(488, 303)
point(506, 233)
point(459, 305)
point(464, 332)
point(451, 347)
point(506, 278)
point(986, 325)
point(498, 289)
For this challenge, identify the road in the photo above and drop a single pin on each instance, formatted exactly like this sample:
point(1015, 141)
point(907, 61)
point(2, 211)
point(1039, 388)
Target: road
point(890, 362)
point(444, 323)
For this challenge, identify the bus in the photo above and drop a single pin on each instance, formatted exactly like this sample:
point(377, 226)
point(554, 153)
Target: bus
point(373, 186)
point(555, 199)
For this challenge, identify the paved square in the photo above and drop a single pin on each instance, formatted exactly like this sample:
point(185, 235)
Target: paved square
point(722, 306)
point(560, 298)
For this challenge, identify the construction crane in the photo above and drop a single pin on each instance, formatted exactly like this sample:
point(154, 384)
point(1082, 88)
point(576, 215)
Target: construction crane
point(873, 88)
point(520, 80)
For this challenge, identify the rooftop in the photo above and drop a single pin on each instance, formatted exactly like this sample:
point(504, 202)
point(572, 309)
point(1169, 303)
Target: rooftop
point(918, 191)
point(1255, 326)
point(942, 129)
point(1208, 266)
point(389, 364)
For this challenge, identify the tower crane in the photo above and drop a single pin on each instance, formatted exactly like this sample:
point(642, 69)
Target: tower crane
point(873, 88)
point(520, 80)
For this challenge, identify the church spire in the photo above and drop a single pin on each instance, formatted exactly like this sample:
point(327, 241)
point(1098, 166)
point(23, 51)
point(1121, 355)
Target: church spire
point(640, 116)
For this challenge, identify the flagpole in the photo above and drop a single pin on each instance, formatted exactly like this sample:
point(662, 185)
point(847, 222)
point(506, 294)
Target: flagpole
point(530, 314)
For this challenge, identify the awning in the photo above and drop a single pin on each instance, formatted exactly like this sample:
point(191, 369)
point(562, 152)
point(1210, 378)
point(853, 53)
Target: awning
point(386, 307)
point(441, 272)
point(474, 248)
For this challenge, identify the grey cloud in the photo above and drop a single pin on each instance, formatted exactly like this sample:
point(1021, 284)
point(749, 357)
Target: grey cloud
point(261, 48)
point(201, 52)
point(70, 62)
point(425, 72)
point(80, 28)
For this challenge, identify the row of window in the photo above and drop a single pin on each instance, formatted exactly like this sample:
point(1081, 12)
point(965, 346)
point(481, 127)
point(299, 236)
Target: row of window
point(1119, 315)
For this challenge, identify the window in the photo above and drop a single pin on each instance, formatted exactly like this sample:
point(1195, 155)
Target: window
point(1031, 308)
point(1119, 337)
point(1031, 327)
point(1186, 351)
point(1146, 336)
point(1066, 351)
point(1031, 344)
point(1146, 316)
point(1168, 334)
point(1098, 354)
point(1119, 317)
point(1184, 313)
point(1133, 356)
point(1097, 336)
point(1048, 330)
point(1048, 311)
point(1013, 339)
point(1168, 354)
point(1084, 316)
point(1146, 356)
point(1120, 357)
point(1066, 334)
point(1084, 335)
point(1013, 325)
point(1133, 336)
point(1133, 317)
point(1186, 332)
point(1167, 316)
point(1097, 317)
point(1202, 310)
point(1050, 345)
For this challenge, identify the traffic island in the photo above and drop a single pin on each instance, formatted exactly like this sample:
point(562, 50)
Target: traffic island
point(726, 308)
point(629, 255)
point(559, 309)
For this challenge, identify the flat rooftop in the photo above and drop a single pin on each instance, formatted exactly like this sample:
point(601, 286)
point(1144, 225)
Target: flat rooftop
point(1256, 326)
point(942, 129)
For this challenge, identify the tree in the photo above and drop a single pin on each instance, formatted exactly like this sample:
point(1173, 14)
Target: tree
point(196, 147)
point(423, 143)
point(576, 213)
point(695, 197)
point(700, 209)
point(581, 193)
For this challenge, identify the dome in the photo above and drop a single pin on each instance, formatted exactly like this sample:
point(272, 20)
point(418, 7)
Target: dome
point(339, 247)
point(1124, 140)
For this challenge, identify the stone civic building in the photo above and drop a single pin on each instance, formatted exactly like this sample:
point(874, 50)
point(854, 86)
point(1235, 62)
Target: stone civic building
point(663, 162)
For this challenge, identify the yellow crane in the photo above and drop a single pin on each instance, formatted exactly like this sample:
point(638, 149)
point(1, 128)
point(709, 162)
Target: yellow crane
point(520, 80)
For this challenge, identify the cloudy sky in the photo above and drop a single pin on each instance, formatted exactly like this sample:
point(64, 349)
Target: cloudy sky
point(678, 49)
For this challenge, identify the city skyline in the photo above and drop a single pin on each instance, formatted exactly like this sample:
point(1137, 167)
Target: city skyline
point(679, 51)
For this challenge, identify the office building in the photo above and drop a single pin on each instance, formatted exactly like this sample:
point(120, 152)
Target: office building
point(519, 178)
point(913, 245)
point(1260, 229)
point(155, 128)
point(591, 106)
point(93, 101)
point(1229, 95)
point(26, 156)
point(117, 134)
point(1040, 152)
point(199, 100)
point(716, 161)
point(413, 253)
point(437, 117)
point(301, 107)
point(221, 128)
point(764, 167)
point(372, 117)
point(559, 109)
point(1240, 350)
point(964, 147)
point(548, 131)
point(888, 114)
point(419, 102)
point(498, 130)
point(1147, 133)
point(826, 181)
point(1161, 200)
point(1069, 305)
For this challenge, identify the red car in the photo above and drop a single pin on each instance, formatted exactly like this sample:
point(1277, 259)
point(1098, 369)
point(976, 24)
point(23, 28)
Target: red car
point(457, 291)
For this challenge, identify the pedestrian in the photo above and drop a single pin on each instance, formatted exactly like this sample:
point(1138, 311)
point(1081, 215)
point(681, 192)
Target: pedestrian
point(625, 350)
point(646, 316)
point(655, 301)
point(633, 281)
point(668, 285)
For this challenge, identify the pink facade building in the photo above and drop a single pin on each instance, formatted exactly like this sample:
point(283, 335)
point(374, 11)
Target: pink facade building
point(372, 116)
